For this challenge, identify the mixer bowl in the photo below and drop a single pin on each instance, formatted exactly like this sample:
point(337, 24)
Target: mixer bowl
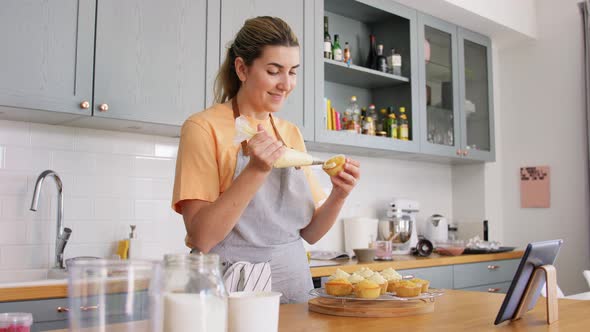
point(396, 230)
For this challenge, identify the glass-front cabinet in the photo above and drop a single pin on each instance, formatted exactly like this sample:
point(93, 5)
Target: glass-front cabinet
point(476, 101)
point(439, 94)
point(366, 49)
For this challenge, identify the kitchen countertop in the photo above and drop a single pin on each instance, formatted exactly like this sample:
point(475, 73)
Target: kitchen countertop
point(48, 290)
point(404, 262)
point(455, 311)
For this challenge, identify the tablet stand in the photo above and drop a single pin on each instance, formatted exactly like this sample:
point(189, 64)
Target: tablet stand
point(550, 276)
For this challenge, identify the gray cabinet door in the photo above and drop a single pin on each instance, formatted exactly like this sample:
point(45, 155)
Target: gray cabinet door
point(439, 94)
point(298, 108)
point(439, 276)
point(150, 62)
point(46, 57)
point(476, 96)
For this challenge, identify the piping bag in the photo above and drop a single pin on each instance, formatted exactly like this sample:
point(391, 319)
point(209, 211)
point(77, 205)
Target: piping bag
point(291, 158)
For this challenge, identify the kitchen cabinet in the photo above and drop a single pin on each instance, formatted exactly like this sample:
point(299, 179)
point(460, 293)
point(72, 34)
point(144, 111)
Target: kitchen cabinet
point(485, 276)
point(476, 96)
point(46, 59)
point(446, 81)
point(140, 63)
point(395, 27)
point(439, 277)
point(456, 99)
point(298, 108)
point(49, 314)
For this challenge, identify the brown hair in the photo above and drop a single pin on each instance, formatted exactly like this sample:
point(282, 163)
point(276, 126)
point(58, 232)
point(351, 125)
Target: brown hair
point(248, 44)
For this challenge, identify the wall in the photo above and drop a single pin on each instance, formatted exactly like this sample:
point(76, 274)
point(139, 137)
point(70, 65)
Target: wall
point(112, 180)
point(543, 122)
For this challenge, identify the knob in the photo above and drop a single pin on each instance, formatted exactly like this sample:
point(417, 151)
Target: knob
point(493, 267)
point(458, 152)
point(465, 152)
point(85, 105)
point(493, 290)
point(103, 107)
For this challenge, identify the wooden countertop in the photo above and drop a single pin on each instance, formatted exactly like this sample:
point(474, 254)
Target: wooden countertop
point(404, 262)
point(401, 262)
point(455, 311)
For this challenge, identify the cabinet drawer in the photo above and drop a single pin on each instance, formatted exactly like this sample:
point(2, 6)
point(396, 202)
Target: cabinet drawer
point(42, 310)
point(476, 274)
point(439, 277)
point(501, 287)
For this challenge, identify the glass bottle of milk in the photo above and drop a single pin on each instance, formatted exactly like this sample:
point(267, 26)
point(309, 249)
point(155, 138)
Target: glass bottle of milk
point(194, 297)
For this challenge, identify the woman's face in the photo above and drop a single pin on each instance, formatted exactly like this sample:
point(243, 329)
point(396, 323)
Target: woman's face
point(271, 78)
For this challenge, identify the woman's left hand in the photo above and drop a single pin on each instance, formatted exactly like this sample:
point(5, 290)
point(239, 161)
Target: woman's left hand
point(346, 180)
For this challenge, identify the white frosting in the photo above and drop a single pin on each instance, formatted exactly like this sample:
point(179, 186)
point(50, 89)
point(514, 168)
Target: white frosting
point(365, 272)
point(376, 277)
point(355, 278)
point(391, 274)
point(339, 274)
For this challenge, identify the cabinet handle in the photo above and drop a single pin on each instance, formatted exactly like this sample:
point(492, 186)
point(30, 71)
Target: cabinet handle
point(465, 152)
point(493, 267)
point(493, 290)
point(82, 308)
point(85, 105)
point(103, 107)
point(458, 152)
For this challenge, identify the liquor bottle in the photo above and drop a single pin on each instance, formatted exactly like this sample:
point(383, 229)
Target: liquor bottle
point(396, 62)
point(381, 61)
point(372, 57)
point(327, 40)
point(347, 55)
point(336, 49)
point(382, 122)
point(404, 126)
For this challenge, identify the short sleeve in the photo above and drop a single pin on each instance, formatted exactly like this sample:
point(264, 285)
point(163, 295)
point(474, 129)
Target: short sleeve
point(197, 174)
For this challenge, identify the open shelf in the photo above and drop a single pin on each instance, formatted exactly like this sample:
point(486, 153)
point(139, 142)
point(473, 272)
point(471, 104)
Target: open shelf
point(340, 72)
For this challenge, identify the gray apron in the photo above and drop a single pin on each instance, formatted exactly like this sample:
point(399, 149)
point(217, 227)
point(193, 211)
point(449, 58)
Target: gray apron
point(268, 229)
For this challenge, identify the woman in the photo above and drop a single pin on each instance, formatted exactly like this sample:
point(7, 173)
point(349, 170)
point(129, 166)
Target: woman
point(232, 200)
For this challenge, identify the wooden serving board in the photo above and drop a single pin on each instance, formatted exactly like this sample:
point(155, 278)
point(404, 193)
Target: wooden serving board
point(369, 308)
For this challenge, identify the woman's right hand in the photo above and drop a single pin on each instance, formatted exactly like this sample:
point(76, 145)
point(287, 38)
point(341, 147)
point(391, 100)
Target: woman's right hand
point(264, 150)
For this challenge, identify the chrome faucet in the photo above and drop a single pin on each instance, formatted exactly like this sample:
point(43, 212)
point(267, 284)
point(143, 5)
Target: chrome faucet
point(61, 237)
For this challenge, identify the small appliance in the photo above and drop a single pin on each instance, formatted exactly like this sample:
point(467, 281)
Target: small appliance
point(437, 229)
point(400, 227)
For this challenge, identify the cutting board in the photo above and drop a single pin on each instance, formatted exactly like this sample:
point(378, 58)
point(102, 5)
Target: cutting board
point(337, 307)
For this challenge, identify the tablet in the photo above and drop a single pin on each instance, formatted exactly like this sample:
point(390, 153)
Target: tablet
point(536, 254)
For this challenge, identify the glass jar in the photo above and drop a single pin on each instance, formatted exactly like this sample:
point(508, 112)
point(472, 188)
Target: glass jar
point(193, 294)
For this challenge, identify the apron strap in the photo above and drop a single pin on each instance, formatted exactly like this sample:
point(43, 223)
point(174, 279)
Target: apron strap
point(236, 110)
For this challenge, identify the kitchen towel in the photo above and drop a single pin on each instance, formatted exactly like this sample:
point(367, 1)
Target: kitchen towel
point(248, 277)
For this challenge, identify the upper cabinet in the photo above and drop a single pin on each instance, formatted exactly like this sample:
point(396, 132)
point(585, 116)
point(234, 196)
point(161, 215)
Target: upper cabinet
point(46, 58)
point(134, 65)
point(298, 108)
point(439, 95)
point(361, 26)
point(476, 96)
point(149, 60)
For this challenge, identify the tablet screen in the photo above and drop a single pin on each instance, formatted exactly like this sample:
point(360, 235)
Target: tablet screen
point(536, 254)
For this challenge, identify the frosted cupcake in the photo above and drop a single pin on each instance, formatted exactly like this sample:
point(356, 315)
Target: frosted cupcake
point(339, 274)
point(338, 287)
point(378, 279)
point(355, 279)
point(367, 289)
point(392, 277)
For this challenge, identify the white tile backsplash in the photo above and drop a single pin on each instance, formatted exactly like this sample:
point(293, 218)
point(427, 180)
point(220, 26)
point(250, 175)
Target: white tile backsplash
point(112, 180)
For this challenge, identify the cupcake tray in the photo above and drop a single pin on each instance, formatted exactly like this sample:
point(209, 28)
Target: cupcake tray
point(387, 305)
point(428, 296)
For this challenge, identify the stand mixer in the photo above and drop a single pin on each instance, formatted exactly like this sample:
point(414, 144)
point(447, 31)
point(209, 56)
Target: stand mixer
point(400, 227)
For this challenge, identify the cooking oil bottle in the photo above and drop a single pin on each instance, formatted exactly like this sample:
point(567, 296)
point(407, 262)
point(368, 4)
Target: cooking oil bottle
point(404, 126)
